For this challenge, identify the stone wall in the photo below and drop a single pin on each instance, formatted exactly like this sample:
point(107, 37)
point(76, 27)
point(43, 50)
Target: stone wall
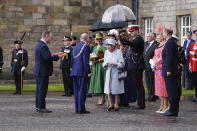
point(168, 13)
point(33, 16)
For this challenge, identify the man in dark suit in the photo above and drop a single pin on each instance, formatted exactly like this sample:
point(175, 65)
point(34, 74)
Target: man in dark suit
point(65, 65)
point(19, 63)
point(150, 47)
point(42, 70)
point(186, 46)
point(80, 72)
point(169, 72)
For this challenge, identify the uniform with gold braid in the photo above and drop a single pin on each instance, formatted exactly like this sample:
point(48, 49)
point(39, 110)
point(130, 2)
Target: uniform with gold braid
point(19, 63)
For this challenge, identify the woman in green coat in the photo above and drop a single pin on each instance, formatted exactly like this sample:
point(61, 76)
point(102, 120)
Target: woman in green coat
point(97, 80)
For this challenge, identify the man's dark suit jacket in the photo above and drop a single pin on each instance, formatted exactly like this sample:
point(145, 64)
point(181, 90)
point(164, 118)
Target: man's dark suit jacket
point(43, 60)
point(148, 54)
point(188, 48)
point(170, 58)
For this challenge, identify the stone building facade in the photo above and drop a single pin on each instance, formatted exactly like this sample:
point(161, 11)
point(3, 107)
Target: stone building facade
point(33, 16)
point(180, 15)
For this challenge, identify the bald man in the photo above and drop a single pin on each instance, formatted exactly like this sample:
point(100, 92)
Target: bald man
point(80, 72)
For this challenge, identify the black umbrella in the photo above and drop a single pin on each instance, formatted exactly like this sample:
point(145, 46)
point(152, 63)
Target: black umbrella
point(100, 26)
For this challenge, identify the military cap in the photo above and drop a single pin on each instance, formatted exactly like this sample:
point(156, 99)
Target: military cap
point(67, 38)
point(18, 42)
point(133, 27)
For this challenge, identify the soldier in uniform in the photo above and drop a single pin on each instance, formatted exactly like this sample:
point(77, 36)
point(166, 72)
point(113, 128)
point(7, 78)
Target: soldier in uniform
point(193, 64)
point(1, 59)
point(65, 66)
point(19, 64)
point(136, 63)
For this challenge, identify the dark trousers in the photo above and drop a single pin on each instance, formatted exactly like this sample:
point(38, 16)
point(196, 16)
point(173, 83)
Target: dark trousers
point(17, 79)
point(137, 79)
point(150, 82)
point(194, 80)
point(188, 76)
point(179, 74)
point(41, 91)
point(173, 93)
point(79, 86)
point(67, 80)
point(130, 91)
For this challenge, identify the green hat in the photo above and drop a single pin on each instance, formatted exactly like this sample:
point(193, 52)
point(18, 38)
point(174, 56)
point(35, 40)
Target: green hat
point(99, 36)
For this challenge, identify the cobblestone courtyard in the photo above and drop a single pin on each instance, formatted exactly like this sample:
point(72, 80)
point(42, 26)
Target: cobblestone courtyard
point(17, 113)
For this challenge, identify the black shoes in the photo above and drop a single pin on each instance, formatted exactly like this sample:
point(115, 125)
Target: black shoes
point(110, 108)
point(67, 95)
point(84, 112)
point(116, 109)
point(43, 110)
point(194, 100)
point(169, 114)
point(138, 108)
point(124, 105)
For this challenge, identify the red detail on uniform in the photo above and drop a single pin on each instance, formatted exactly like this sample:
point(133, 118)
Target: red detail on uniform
point(193, 57)
point(60, 53)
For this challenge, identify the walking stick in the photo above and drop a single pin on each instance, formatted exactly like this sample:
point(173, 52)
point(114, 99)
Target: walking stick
point(22, 63)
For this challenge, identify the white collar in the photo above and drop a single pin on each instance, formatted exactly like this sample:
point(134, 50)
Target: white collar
point(151, 42)
point(43, 41)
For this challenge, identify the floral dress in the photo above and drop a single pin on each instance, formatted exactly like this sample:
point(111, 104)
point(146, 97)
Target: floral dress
point(160, 88)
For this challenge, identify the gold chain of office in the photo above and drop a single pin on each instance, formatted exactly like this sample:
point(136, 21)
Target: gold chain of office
point(79, 52)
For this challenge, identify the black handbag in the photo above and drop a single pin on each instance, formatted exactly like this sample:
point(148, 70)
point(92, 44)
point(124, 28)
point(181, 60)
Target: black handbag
point(122, 75)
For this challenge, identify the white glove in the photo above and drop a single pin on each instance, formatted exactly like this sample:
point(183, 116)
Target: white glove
point(152, 64)
point(151, 61)
point(23, 69)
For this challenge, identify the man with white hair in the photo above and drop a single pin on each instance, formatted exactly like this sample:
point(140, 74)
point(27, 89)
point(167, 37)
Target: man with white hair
point(150, 46)
point(80, 72)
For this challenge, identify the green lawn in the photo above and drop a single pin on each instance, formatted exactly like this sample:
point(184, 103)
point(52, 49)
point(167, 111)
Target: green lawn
point(32, 88)
point(60, 88)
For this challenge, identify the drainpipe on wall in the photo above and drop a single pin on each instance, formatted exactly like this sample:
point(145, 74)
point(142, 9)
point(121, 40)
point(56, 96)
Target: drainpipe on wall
point(135, 9)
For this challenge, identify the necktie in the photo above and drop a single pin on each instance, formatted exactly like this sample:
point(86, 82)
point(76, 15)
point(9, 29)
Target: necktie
point(148, 47)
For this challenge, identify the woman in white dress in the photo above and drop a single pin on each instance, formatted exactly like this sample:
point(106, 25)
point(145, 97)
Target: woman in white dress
point(113, 62)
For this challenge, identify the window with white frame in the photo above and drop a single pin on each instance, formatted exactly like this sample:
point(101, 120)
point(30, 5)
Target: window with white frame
point(148, 26)
point(185, 27)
